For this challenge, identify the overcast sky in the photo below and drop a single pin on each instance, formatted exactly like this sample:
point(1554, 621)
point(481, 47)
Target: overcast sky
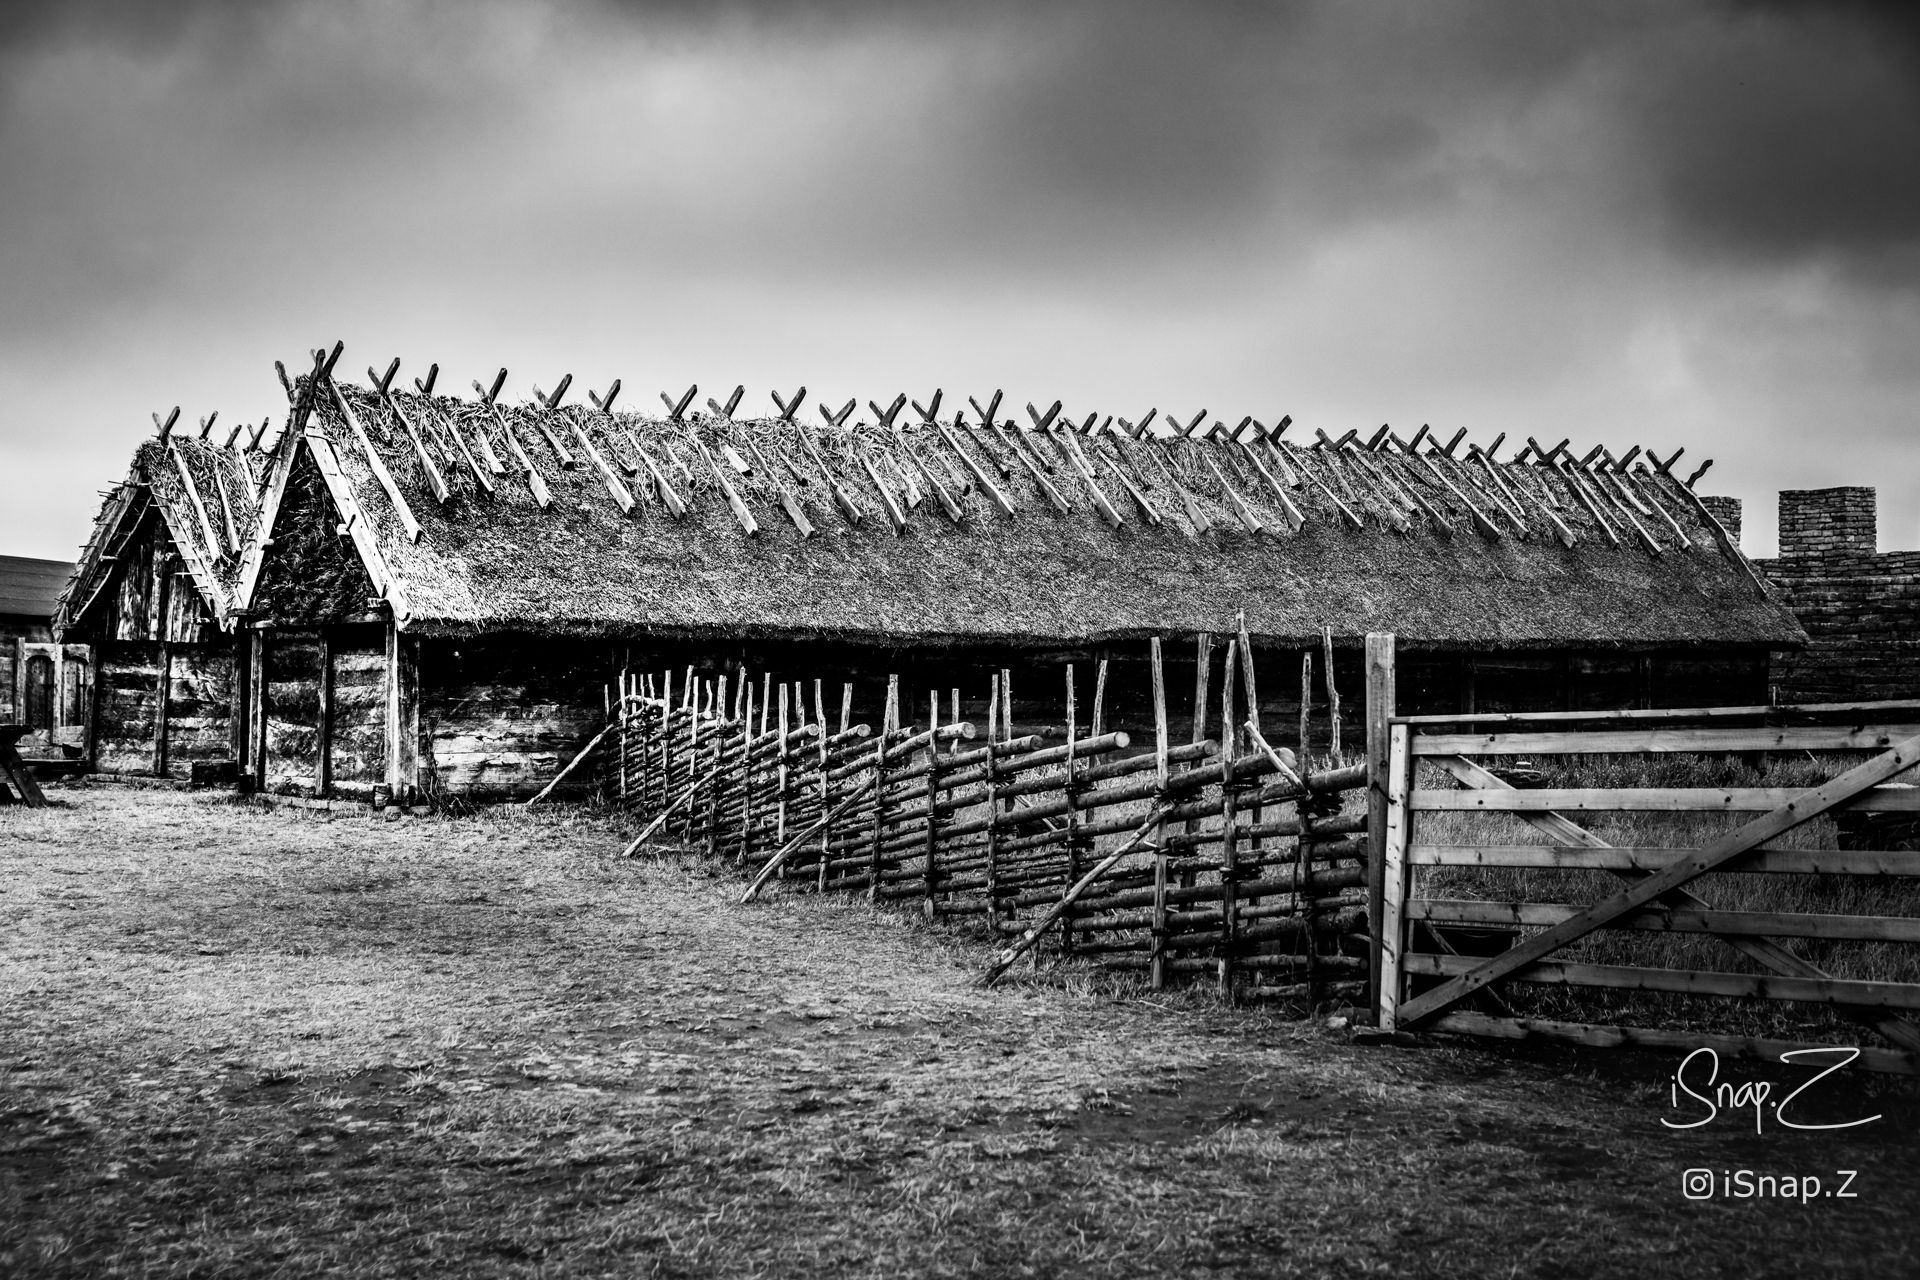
point(1657, 224)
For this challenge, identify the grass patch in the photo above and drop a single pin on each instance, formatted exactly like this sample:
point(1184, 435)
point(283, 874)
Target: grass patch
point(238, 1042)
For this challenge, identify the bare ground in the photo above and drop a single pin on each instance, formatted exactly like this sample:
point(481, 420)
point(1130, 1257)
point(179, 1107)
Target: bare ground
point(237, 1042)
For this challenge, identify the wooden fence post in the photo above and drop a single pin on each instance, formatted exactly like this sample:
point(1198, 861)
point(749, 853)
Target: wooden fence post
point(1229, 820)
point(1157, 944)
point(1380, 710)
point(1396, 830)
point(1071, 818)
point(257, 706)
point(889, 721)
point(323, 717)
point(929, 880)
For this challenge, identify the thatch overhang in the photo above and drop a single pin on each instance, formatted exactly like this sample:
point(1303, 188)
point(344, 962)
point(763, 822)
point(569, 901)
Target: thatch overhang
point(207, 495)
point(1167, 536)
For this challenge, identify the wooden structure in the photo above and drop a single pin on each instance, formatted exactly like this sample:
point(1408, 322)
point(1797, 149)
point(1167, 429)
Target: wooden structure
point(1217, 858)
point(13, 770)
point(444, 591)
point(153, 593)
point(1488, 884)
point(45, 687)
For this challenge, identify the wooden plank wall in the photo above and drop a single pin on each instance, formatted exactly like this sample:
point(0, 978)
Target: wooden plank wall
point(357, 659)
point(199, 712)
point(500, 715)
point(199, 706)
point(292, 711)
point(126, 698)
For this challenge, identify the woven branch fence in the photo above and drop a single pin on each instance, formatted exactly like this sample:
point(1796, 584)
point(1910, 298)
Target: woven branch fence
point(1212, 860)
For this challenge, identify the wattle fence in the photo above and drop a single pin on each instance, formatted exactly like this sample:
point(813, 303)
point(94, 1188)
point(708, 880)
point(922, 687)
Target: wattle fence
point(1217, 859)
point(1575, 876)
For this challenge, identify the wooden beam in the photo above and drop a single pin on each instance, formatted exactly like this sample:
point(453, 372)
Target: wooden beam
point(1758, 1049)
point(257, 707)
point(1381, 696)
point(435, 481)
point(1659, 740)
point(536, 482)
point(622, 496)
point(480, 476)
point(1235, 502)
point(841, 498)
point(734, 501)
point(978, 473)
point(323, 714)
point(1801, 809)
point(374, 463)
point(1292, 513)
point(403, 714)
point(791, 406)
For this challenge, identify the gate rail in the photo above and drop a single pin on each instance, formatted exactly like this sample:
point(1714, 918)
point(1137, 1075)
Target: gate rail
point(1427, 981)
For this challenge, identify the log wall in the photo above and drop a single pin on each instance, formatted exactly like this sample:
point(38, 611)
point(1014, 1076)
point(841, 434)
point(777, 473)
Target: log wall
point(199, 706)
point(291, 698)
point(500, 714)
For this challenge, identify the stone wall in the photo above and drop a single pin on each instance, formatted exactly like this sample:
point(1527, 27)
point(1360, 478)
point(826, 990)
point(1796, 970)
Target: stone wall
point(1860, 606)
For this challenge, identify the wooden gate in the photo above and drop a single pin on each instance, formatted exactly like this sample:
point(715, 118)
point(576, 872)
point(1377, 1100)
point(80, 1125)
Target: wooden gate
point(1479, 922)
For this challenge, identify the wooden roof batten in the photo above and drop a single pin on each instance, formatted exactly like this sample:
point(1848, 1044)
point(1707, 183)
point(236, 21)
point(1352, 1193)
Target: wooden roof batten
point(1223, 485)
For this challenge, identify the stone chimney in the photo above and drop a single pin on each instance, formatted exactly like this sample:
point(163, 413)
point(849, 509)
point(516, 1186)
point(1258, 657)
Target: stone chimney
point(1727, 511)
point(1827, 523)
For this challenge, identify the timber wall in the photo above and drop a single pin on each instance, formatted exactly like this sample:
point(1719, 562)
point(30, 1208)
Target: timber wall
point(1860, 606)
point(501, 714)
point(323, 707)
point(164, 679)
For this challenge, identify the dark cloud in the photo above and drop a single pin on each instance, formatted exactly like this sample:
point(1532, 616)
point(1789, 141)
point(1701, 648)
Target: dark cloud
point(1791, 131)
point(134, 26)
point(1488, 214)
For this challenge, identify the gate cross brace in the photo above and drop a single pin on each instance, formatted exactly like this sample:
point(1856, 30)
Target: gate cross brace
point(1808, 806)
point(1760, 950)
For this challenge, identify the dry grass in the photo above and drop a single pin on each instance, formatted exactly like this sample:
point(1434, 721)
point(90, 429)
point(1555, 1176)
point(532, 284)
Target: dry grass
point(243, 1043)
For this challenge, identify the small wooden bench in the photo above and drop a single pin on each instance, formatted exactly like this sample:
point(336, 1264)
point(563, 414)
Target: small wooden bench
point(13, 769)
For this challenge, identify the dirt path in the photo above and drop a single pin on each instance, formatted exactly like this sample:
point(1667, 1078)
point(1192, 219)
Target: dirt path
point(238, 1042)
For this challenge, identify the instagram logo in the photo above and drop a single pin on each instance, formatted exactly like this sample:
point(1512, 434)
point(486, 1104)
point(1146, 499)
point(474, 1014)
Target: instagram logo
point(1697, 1184)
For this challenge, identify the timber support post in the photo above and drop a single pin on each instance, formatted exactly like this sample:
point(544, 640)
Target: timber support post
point(1380, 709)
point(323, 717)
point(257, 706)
point(403, 714)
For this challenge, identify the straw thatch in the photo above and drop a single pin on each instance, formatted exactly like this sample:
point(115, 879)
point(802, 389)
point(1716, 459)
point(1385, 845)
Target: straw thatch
point(225, 482)
point(1041, 576)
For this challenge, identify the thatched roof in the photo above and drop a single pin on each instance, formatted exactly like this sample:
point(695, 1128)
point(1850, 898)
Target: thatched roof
point(209, 498)
point(1171, 535)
